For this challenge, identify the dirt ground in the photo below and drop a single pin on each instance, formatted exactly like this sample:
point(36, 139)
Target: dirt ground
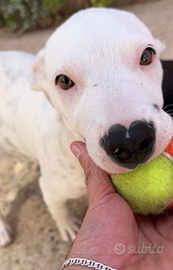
point(37, 244)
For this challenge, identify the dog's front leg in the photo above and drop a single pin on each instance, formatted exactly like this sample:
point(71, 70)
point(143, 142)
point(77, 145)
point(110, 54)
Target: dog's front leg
point(5, 232)
point(56, 194)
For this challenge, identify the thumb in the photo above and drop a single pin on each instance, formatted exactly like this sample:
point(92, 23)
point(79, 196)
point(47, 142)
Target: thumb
point(98, 182)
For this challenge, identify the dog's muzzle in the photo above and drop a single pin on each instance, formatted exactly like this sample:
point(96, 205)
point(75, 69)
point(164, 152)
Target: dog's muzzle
point(130, 147)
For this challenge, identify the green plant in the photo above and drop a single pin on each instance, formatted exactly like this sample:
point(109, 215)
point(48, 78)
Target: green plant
point(22, 15)
point(19, 13)
point(53, 6)
point(100, 3)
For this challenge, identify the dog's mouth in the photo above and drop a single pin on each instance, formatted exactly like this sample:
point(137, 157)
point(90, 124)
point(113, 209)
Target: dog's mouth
point(168, 152)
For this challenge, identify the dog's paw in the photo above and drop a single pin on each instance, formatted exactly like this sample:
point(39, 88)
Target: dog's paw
point(5, 233)
point(69, 228)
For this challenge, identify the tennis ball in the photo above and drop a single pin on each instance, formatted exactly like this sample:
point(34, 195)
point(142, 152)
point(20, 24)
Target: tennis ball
point(148, 189)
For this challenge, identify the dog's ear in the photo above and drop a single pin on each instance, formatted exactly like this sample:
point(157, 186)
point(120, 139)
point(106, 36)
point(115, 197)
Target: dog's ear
point(160, 47)
point(38, 72)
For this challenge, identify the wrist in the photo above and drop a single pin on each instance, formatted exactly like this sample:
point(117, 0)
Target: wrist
point(83, 249)
point(84, 263)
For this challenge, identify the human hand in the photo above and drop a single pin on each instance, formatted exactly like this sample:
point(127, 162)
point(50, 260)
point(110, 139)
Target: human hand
point(110, 227)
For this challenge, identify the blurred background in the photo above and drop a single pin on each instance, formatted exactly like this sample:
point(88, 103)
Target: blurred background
point(26, 25)
point(25, 21)
point(22, 15)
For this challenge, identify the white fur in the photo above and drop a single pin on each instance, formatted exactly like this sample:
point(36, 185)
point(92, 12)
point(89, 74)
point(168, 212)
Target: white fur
point(100, 50)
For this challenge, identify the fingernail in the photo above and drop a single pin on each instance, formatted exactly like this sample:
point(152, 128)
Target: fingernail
point(75, 150)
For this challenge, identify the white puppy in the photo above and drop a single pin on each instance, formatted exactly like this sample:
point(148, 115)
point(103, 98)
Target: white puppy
point(100, 77)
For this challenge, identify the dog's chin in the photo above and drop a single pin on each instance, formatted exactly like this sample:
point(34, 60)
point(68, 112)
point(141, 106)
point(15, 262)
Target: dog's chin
point(113, 167)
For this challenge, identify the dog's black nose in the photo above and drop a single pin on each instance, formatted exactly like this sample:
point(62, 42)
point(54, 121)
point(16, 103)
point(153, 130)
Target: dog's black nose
point(130, 147)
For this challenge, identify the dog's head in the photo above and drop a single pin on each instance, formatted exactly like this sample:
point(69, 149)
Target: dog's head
point(101, 71)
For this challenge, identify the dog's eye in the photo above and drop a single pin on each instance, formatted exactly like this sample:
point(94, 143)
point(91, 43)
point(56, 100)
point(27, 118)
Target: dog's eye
point(147, 56)
point(64, 82)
